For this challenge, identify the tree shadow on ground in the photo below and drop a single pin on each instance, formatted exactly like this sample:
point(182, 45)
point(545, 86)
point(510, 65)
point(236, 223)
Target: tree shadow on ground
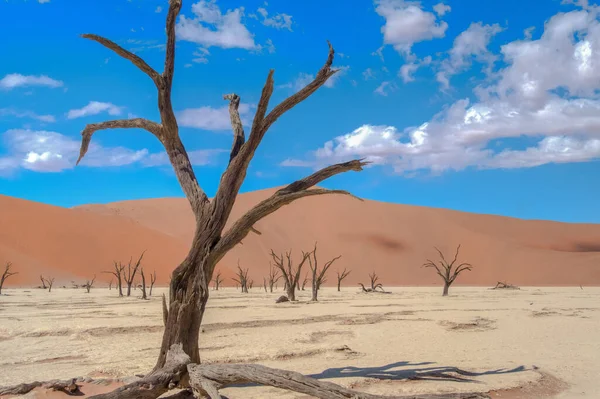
point(399, 371)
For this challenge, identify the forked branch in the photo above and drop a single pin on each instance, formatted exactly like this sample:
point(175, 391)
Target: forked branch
point(448, 271)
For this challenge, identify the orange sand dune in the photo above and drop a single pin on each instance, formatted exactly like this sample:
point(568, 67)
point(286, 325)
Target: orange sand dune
point(390, 239)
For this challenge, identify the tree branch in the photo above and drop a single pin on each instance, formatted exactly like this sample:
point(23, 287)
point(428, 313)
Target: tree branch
point(236, 123)
point(137, 61)
point(174, 8)
point(136, 123)
point(284, 196)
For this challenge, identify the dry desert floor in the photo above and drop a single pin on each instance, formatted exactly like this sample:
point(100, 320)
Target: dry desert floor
point(412, 340)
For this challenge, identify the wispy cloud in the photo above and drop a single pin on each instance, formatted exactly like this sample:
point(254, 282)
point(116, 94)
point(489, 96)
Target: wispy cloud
point(209, 118)
point(94, 108)
point(26, 114)
point(14, 80)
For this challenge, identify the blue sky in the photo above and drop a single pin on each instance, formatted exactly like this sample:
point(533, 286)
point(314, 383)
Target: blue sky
point(489, 109)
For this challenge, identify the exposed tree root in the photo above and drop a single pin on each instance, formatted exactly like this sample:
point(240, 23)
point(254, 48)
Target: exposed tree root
point(207, 379)
point(67, 386)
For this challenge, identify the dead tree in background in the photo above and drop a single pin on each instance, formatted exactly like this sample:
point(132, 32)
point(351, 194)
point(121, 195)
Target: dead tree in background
point(304, 281)
point(152, 281)
point(340, 277)
point(144, 296)
point(110, 283)
point(131, 272)
point(374, 283)
point(448, 271)
point(7, 273)
point(250, 284)
point(43, 282)
point(318, 276)
point(290, 275)
point(50, 283)
point(265, 283)
point(89, 284)
point(218, 280)
point(242, 278)
point(119, 273)
point(274, 276)
point(189, 288)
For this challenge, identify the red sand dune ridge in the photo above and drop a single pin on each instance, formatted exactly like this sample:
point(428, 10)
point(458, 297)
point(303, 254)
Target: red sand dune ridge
point(391, 239)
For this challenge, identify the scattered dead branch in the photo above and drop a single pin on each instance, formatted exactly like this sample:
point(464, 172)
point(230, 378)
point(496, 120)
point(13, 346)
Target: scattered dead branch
point(7, 273)
point(69, 387)
point(502, 285)
point(290, 274)
point(374, 278)
point(318, 276)
point(448, 271)
point(340, 277)
point(242, 278)
point(207, 379)
point(89, 284)
point(43, 282)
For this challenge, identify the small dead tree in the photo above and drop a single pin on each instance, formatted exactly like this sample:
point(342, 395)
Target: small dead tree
point(119, 273)
point(502, 285)
point(318, 276)
point(50, 283)
point(152, 281)
point(265, 284)
point(242, 278)
point(131, 272)
point(43, 282)
point(89, 284)
point(341, 276)
point(448, 271)
point(7, 273)
point(374, 284)
point(217, 280)
point(144, 296)
point(251, 284)
point(274, 276)
point(290, 274)
point(304, 281)
point(110, 283)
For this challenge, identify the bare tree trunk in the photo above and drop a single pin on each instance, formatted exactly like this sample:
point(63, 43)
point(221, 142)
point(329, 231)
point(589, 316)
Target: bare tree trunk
point(43, 282)
point(50, 282)
point(291, 292)
point(143, 284)
point(446, 287)
point(315, 288)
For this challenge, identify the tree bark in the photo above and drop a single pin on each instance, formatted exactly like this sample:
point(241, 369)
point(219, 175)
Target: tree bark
point(290, 291)
point(446, 287)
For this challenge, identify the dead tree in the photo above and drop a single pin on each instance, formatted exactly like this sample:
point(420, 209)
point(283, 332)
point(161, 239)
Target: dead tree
point(89, 284)
point(242, 278)
point(218, 280)
point(250, 284)
point(144, 296)
point(119, 273)
point(448, 271)
point(7, 273)
point(131, 272)
point(290, 275)
point(304, 281)
point(318, 276)
point(274, 276)
point(43, 282)
point(340, 277)
point(152, 281)
point(110, 283)
point(374, 284)
point(50, 283)
point(189, 288)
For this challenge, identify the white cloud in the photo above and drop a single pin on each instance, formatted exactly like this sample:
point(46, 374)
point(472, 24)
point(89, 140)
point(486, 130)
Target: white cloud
point(14, 80)
point(408, 70)
point(384, 88)
point(469, 44)
point(441, 9)
point(94, 108)
point(270, 46)
point(209, 118)
point(26, 114)
point(278, 21)
point(547, 92)
point(43, 1)
point(201, 56)
point(158, 9)
point(46, 151)
point(368, 74)
point(212, 28)
point(406, 23)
